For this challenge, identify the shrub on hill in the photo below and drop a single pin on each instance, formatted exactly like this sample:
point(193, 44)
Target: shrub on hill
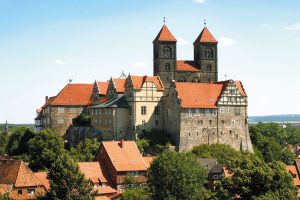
point(85, 151)
point(82, 120)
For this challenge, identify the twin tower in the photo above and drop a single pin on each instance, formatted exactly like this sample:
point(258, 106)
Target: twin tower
point(204, 67)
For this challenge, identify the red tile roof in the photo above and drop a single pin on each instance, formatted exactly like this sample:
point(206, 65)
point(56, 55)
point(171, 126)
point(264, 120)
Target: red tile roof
point(105, 190)
point(102, 87)
point(240, 87)
point(94, 171)
point(206, 36)
point(186, 65)
point(292, 169)
point(50, 100)
point(73, 94)
point(148, 160)
point(17, 173)
point(42, 176)
point(124, 155)
point(119, 84)
point(138, 81)
point(165, 35)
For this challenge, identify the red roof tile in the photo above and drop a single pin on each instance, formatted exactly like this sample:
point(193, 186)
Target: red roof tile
point(50, 100)
point(165, 35)
point(119, 84)
point(93, 171)
point(186, 65)
point(198, 95)
point(138, 81)
point(102, 87)
point(292, 169)
point(42, 176)
point(74, 94)
point(148, 160)
point(240, 88)
point(126, 157)
point(105, 190)
point(206, 36)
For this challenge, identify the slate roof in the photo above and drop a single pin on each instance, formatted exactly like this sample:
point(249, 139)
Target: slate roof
point(119, 102)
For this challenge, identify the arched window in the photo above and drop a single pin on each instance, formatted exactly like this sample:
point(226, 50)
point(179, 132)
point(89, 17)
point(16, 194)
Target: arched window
point(209, 53)
point(208, 68)
point(167, 52)
point(167, 67)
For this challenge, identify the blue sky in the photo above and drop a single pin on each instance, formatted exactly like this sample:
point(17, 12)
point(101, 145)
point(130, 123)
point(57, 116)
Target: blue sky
point(44, 43)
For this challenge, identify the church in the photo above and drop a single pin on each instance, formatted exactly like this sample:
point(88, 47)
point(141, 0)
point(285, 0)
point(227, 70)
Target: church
point(183, 98)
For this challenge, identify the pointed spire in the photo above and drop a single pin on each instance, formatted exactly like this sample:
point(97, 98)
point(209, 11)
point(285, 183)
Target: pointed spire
point(205, 37)
point(165, 35)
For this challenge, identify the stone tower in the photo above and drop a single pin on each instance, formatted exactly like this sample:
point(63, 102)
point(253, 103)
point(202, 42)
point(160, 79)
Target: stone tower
point(164, 56)
point(206, 56)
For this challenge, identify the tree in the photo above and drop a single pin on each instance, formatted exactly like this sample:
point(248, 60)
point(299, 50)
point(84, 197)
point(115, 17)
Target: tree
point(3, 142)
point(18, 141)
point(86, 150)
point(66, 181)
point(82, 120)
point(253, 178)
point(140, 193)
point(223, 153)
point(5, 196)
point(44, 148)
point(177, 176)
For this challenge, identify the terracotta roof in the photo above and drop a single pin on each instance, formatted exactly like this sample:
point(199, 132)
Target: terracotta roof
point(74, 94)
point(43, 178)
point(50, 100)
point(4, 188)
point(119, 84)
point(126, 157)
point(93, 171)
point(199, 95)
point(138, 82)
point(17, 173)
point(105, 190)
point(292, 169)
point(148, 160)
point(206, 36)
point(240, 88)
point(165, 35)
point(186, 65)
point(102, 87)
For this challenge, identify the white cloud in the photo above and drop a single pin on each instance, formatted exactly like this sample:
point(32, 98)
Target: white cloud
point(295, 26)
point(60, 62)
point(225, 41)
point(182, 41)
point(199, 1)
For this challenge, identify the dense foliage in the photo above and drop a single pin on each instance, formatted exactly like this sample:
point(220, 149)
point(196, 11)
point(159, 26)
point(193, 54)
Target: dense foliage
point(82, 120)
point(85, 151)
point(66, 181)
point(254, 179)
point(177, 176)
point(140, 193)
point(3, 142)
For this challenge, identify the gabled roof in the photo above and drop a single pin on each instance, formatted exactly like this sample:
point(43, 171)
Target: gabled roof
point(50, 100)
point(43, 178)
point(94, 171)
point(119, 102)
point(138, 82)
point(165, 35)
point(205, 37)
point(199, 95)
point(102, 87)
point(17, 173)
point(119, 84)
point(187, 66)
point(124, 155)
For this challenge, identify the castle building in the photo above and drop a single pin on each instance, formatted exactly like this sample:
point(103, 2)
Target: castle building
point(183, 98)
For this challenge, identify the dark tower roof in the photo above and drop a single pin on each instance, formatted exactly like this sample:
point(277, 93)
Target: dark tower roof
point(205, 37)
point(165, 35)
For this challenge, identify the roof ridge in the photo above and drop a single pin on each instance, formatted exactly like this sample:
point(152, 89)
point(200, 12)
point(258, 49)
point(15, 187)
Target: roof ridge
point(205, 37)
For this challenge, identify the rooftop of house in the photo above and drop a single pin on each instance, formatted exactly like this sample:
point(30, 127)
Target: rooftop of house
point(119, 84)
point(102, 87)
point(43, 178)
point(124, 155)
point(294, 171)
point(94, 171)
point(17, 173)
point(203, 95)
point(187, 66)
point(138, 81)
point(119, 102)
point(207, 163)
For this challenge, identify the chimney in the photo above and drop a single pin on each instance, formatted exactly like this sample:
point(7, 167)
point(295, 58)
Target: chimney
point(122, 143)
point(46, 99)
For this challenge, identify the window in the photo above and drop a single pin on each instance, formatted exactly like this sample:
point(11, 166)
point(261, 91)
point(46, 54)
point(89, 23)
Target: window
point(60, 109)
point(222, 110)
point(156, 122)
point(167, 67)
point(210, 122)
point(233, 122)
point(189, 111)
point(167, 52)
point(143, 110)
point(92, 112)
point(157, 110)
point(19, 192)
point(31, 191)
point(143, 122)
point(96, 112)
point(199, 122)
point(72, 110)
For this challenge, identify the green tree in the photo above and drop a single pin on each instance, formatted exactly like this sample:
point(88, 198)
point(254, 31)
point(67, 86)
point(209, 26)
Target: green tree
point(86, 150)
point(82, 120)
point(5, 196)
point(253, 178)
point(140, 193)
point(223, 153)
point(3, 142)
point(177, 176)
point(66, 181)
point(44, 148)
point(18, 141)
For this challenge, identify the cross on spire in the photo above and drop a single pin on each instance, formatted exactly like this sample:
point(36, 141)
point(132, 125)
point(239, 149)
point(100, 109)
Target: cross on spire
point(164, 20)
point(204, 22)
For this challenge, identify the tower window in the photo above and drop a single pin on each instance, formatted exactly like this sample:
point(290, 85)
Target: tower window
point(167, 67)
point(143, 110)
point(167, 52)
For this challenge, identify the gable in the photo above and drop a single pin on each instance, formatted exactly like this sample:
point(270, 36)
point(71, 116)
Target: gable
point(233, 94)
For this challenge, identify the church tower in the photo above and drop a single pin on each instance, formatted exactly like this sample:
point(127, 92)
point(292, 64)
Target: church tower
point(164, 56)
point(206, 56)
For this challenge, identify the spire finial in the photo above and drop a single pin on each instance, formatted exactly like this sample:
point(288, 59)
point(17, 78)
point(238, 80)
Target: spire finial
point(204, 22)
point(164, 20)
